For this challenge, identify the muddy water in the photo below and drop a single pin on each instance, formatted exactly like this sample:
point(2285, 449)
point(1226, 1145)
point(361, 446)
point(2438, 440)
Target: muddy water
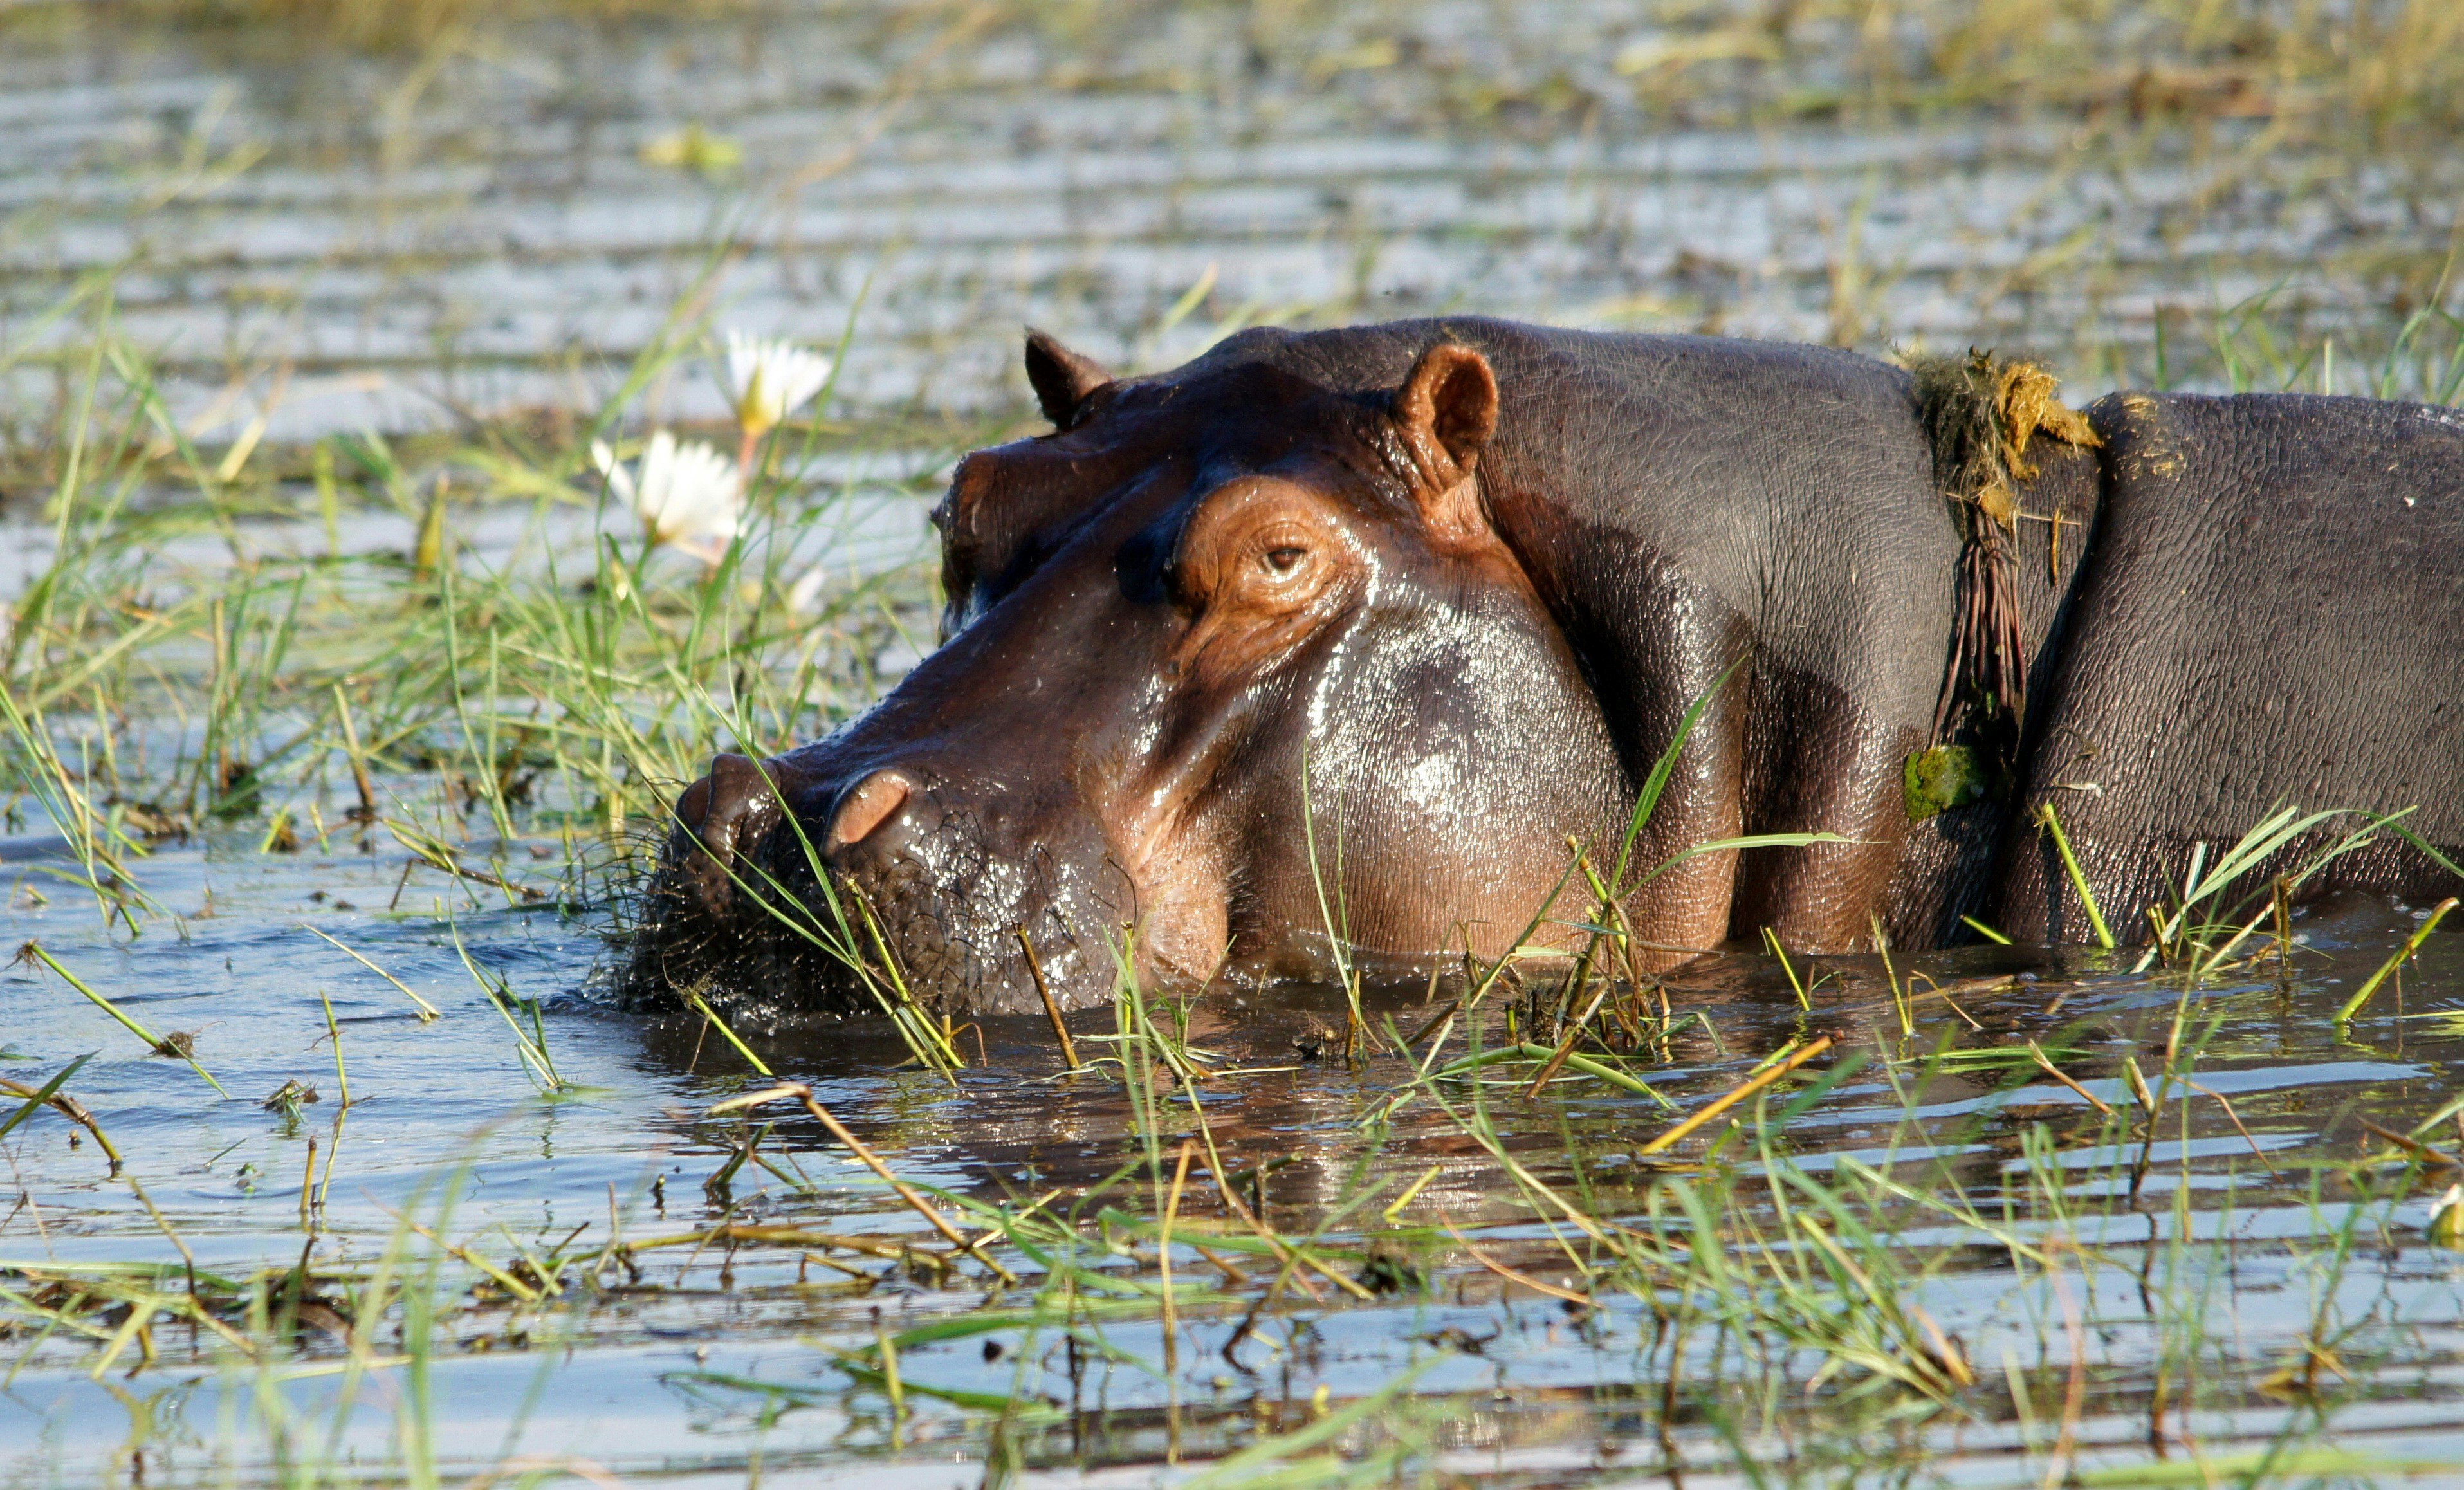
point(501, 223)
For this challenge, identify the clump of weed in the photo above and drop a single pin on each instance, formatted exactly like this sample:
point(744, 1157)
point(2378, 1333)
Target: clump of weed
point(1980, 412)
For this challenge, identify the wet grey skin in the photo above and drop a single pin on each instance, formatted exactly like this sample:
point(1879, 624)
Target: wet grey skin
point(1340, 637)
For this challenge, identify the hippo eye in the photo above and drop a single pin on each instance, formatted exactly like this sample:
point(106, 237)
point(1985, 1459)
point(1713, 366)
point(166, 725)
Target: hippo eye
point(1285, 559)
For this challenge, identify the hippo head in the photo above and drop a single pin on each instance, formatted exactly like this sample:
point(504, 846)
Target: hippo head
point(1234, 659)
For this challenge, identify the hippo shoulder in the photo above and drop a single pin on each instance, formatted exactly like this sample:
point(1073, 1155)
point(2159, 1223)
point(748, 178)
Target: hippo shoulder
point(2266, 618)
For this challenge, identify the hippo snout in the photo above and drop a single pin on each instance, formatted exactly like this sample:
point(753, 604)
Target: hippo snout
point(807, 883)
point(724, 822)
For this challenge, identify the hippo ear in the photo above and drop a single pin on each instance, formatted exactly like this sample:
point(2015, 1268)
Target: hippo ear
point(1062, 378)
point(1447, 409)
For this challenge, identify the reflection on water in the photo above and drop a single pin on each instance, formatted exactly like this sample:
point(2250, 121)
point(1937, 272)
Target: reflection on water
point(708, 1360)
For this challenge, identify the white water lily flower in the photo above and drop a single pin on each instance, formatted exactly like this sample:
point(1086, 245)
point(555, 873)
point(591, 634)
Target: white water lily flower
point(2447, 1219)
point(687, 496)
point(773, 379)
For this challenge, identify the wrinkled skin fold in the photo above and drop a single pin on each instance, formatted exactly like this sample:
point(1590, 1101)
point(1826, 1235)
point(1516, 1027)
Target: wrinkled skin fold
point(1343, 638)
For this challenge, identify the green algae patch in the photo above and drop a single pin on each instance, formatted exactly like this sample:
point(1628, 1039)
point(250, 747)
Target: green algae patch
point(1946, 777)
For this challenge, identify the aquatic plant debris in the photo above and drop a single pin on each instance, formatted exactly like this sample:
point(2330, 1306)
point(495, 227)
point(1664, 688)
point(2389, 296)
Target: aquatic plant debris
point(1980, 413)
point(1944, 777)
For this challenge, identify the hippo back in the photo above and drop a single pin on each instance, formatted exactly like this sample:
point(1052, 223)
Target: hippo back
point(2268, 618)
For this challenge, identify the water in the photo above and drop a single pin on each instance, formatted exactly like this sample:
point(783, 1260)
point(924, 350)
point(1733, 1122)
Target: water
point(710, 1363)
point(865, 526)
point(332, 242)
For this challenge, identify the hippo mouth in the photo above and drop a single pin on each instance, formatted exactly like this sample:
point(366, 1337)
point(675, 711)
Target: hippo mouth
point(783, 890)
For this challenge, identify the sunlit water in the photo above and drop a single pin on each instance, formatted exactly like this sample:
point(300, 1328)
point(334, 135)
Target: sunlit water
point(331, 242)
point(871, 525)
point(710, 1364)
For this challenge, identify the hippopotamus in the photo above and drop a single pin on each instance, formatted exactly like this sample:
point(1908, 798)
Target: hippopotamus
point(1350, 649)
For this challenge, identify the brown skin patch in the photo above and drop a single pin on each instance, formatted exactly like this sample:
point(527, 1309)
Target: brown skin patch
point(1264, 563)
point(874, 798)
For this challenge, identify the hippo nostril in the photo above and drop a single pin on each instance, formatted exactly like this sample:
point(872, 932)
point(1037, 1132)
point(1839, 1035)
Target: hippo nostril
point(722, 816)
point(869, 806)
point(693, 804)
point(734, 794)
